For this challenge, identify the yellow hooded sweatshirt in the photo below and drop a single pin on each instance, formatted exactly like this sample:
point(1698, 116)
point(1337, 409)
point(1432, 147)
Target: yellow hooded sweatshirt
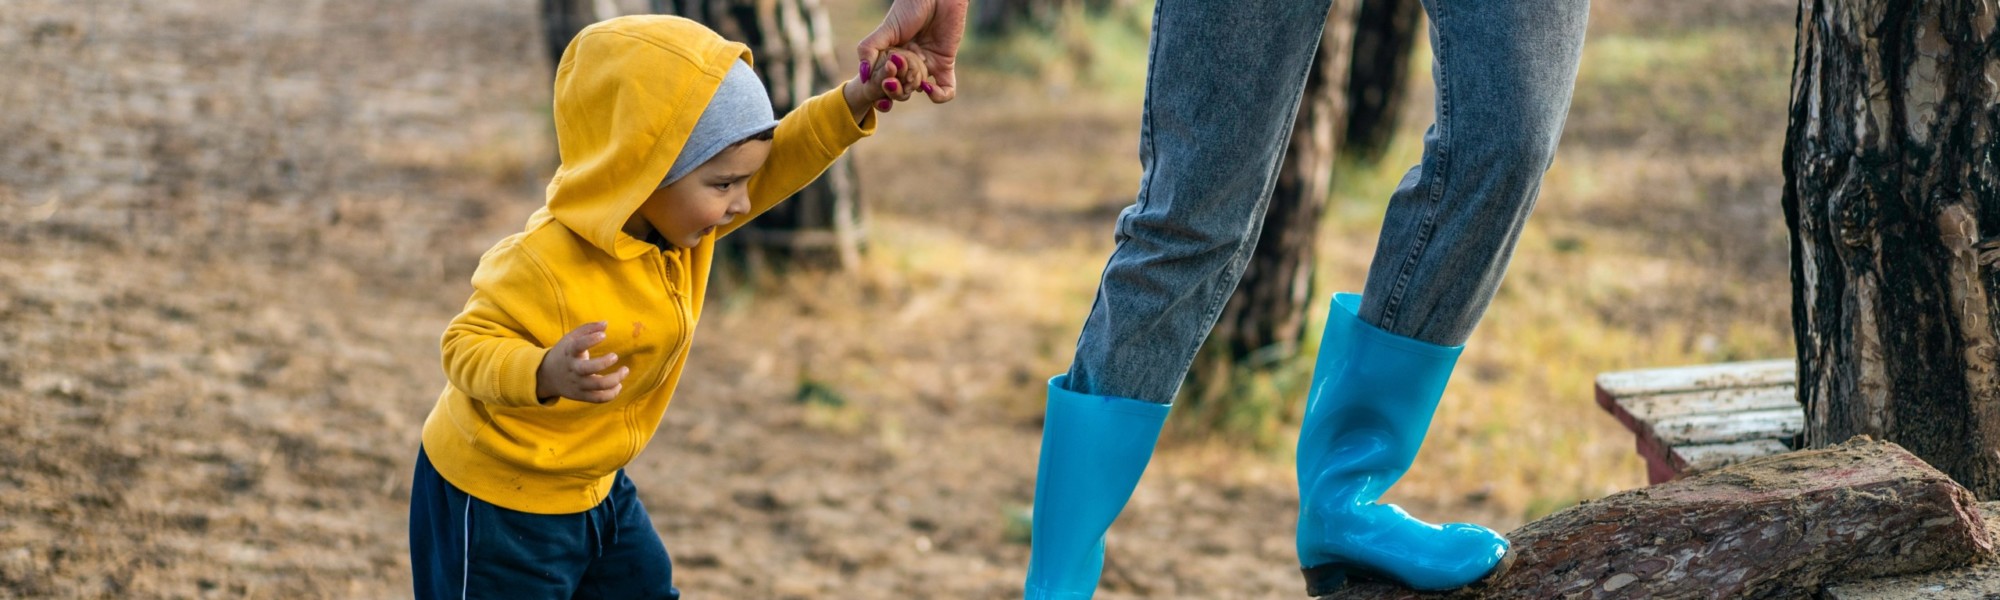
point(627, 95)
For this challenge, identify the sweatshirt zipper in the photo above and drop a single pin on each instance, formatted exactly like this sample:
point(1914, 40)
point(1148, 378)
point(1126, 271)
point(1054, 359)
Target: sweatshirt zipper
point(677, 293)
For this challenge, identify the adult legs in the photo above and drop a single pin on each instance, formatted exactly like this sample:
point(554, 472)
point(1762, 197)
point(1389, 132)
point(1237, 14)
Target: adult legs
point(1223, 85)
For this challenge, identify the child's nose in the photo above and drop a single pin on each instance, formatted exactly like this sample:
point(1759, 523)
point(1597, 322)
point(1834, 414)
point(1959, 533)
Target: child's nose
point(739, 205)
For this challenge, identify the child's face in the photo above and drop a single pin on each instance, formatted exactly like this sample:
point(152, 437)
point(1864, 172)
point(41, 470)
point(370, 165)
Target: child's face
point(708, 197)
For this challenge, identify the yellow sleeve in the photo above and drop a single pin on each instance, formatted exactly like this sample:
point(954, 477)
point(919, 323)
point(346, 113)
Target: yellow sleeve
point(489, 351)
point(806, 142)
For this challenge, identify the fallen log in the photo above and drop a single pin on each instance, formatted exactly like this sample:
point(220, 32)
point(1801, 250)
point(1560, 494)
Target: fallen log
point(1781, 526)
point(1976, 582)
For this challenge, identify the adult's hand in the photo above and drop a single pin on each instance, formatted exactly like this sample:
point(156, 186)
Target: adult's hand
point(932, 29)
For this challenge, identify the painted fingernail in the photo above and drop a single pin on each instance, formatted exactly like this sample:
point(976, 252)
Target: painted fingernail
point(864, 73)
point(925, 86)
point(891, 85)
point(883, 105)
point(898, 59)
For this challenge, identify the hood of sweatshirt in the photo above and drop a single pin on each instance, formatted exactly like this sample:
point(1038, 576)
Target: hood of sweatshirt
point(628, 93)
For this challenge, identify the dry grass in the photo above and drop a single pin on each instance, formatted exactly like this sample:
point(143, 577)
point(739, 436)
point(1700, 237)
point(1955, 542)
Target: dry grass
point(236, 229)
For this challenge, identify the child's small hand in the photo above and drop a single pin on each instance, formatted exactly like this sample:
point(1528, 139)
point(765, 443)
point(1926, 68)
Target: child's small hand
point(902, 73)
point(568, 371)
point(895, 75)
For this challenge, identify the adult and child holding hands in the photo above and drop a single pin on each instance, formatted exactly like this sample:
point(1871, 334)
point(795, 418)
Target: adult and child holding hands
point(574, 339)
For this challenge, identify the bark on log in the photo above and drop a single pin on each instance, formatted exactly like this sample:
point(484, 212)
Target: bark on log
point(1777, 527)
point(1977, 582)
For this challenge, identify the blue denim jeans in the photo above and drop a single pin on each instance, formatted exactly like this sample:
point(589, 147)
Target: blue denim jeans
point(1222, 89)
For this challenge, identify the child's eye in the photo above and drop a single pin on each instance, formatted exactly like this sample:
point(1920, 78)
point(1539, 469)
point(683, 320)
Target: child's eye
point(723, 186)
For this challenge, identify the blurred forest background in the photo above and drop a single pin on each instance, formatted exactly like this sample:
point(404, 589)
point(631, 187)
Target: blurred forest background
point(234, 230)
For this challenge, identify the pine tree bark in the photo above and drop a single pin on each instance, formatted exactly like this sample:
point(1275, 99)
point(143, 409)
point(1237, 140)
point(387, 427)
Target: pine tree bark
point(792, 41)
point(1385, 33)
point(1006, 16)
point(1892, 198)
point(561, 20)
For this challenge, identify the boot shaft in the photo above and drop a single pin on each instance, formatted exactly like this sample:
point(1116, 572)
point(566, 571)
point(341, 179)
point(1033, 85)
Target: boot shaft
point(1094, 450)
point(1372, 397)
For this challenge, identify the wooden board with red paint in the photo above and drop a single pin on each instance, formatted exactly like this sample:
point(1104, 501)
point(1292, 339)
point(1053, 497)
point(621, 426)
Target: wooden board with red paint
point(1687, 419)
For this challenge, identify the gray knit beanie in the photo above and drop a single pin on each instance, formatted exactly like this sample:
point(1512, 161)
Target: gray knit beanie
point(740, 109)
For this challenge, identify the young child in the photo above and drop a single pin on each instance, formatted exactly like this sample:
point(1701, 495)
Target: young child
point(668, 142)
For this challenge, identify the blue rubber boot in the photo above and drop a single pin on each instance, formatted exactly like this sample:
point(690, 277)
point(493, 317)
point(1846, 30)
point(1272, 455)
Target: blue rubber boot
point(1093, 450)
point(1371, 401)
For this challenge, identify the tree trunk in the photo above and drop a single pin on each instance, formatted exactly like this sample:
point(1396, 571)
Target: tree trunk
point(1892, 197)
point(561, 20)
point(1385, 31)
point(1265, 319)
point(793, 45)
point(1007, 16)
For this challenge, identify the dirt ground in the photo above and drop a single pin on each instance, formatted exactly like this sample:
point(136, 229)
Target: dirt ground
point(234, 230)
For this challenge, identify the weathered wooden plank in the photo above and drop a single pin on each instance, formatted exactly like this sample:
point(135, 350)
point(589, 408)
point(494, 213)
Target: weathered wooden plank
point(1735, 427)
point(1775, 527)
point(1700, 377)
point(1652, 408)
point(1977, 582)
point(1722, 413)
point(1712, 456)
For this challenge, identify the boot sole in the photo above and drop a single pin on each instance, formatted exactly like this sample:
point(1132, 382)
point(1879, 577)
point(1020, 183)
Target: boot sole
point(1324, 580)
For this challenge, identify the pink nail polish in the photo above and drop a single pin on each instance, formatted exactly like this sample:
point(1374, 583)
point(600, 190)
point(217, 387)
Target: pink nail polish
point(925, 86)
point(891, 85)
point(896, 59)
point(864, 73)
point(882, 105)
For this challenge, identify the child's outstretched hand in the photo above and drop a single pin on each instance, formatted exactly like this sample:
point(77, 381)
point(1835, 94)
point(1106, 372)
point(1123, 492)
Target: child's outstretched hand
point(896, 74)
point(568, 371)
point(902, 73)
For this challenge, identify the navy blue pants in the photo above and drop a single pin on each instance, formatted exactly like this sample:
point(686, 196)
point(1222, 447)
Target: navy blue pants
point(463, 547)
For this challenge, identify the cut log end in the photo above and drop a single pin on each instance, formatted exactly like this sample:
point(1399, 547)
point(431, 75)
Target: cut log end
point(1977, 582)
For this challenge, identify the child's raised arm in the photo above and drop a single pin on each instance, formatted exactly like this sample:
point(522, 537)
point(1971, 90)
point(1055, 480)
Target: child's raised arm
point(816, 133)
